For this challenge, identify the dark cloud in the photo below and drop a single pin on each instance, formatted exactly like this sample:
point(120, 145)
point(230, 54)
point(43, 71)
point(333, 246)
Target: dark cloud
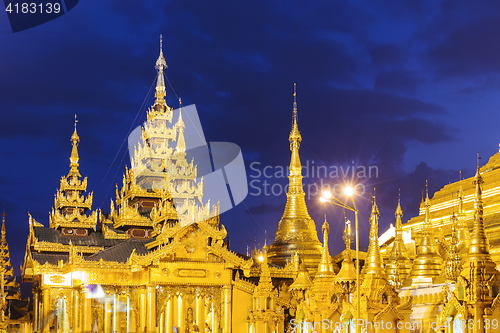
point(365, 74)
point(265, 208)
point(399, 80)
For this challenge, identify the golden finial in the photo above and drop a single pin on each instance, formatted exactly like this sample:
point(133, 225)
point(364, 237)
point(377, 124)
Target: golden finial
point(3, 224)
point(75, 139)
point(398, 266)
point(295, 137)
point(399, 211)
point(296, 223)
point(160, 65)
point(295, 100)
point(373, 265)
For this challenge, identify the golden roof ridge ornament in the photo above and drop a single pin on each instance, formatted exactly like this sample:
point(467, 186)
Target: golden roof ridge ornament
point(296, 230)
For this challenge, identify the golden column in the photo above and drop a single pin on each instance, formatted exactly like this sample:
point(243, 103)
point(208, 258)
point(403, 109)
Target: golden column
point(151, 310)
point(36, 315)
point(107, 314)
point(200, 312)
point(76, 311)
point(86, 311)
point(227, 307)
point(142, 310)
point(168, 314)
point(46, 309)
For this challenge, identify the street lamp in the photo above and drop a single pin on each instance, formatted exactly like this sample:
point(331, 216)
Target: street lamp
point(349, 192)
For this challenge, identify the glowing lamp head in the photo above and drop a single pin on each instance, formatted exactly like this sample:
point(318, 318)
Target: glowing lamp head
point(327, 194)
point(349, 191)
point(323, 199)
point(261, 258)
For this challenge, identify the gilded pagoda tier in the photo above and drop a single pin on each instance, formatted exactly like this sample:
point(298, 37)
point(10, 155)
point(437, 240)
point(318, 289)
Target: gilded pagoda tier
point(445, 200)
point(70, 204)
point(296, 232)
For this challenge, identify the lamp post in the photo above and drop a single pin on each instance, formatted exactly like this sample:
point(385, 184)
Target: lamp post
point(349, 192)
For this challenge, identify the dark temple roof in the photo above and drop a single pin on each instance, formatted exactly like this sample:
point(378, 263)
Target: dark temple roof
point(53, 236)
point(121, 252)
point(51, 258)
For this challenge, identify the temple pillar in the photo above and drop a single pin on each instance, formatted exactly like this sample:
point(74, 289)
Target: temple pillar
point(200, 312)
point(86, 312)
point(142, 311)
point(36, 315)
point(151, 310)
point(75, 311)
point(227, 308)
point(107, 315)
point(46, 310)
point(213, 318)
point(128, 313)
point(181, 312)
point(168, 315)
point(175, 310)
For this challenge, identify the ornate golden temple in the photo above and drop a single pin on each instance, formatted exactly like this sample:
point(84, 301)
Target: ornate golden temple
point(151, 266)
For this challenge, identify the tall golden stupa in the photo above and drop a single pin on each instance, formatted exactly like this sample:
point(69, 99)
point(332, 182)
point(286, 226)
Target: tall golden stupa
point(159, 260)
point(296, 230)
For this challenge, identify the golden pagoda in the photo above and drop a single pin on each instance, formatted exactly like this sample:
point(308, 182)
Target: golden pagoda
point(159, 260)
point(398, 265)
point(296, 230)
point(426, 266)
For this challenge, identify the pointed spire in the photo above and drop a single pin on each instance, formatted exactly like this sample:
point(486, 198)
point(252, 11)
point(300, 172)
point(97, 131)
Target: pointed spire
point(463, 234)
point(325, 267)
point(422, 202)
point(346, 277)
point(453, 265)
point(161, 64)
point(427, 263)
point(373, 264)
point(181, 143)
point(479, 243)
point(303, 280)
point(296, 223)
point(74, 159)
point(3, 240)
point(478, 268)
point(399, 265)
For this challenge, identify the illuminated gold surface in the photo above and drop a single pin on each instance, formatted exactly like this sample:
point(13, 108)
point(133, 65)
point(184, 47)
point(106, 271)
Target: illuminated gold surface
point(296, 230)
point(427, 263)
point(398, 265)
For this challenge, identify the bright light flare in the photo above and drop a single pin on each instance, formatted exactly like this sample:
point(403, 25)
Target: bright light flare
point(327, 194)
point(349, 191)
point(261, 258)
point(323, 199)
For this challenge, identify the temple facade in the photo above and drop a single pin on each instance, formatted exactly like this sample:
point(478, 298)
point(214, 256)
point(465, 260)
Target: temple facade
point(159, 259)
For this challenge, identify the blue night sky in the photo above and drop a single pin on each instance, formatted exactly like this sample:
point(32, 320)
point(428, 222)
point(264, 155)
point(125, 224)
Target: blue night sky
point(410, 87)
